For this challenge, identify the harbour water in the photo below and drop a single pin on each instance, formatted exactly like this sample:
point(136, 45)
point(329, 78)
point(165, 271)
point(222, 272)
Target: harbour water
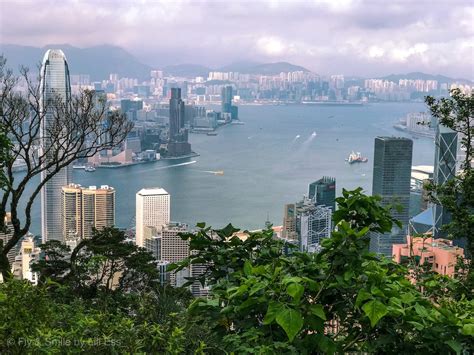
point(266, 163)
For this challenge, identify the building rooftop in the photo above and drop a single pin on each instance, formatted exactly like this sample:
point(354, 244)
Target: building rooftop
point(393, 138)
point(152, 191)
point(427, 169)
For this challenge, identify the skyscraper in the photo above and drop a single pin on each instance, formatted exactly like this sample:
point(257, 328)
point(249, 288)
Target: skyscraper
point(98, 209)
point(226, 96)
point(176, 114)
point(313, 224)
point(323, 192)
point(54, 84)
point(391, 180)
point(226, 102)
point(84, 209)
point(152, 210)
point(446, 147)
point(178, 136)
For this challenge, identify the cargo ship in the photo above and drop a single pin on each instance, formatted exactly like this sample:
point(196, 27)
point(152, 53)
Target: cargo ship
point(356, 158)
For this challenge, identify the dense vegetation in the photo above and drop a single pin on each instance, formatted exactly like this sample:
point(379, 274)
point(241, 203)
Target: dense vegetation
point(106, 297)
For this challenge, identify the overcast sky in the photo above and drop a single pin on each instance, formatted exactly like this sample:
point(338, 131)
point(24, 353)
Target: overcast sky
point(358, 37)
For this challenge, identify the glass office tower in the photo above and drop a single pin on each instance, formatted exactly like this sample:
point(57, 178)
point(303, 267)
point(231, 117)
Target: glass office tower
point(446, 147)
point(323, 192)
point(55, 85)
point(391, 181)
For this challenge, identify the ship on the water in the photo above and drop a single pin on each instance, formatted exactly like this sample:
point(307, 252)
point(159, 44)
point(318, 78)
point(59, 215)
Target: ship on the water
point(356, 158)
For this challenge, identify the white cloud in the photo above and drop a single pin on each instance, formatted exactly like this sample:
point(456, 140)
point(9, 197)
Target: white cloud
point(362, 37)
point(271, 46)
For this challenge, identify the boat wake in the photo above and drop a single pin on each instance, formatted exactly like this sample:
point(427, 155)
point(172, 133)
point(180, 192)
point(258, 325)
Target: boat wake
point(174, 165)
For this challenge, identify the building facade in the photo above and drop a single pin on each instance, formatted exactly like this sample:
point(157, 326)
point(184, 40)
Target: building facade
point(54, 85)
point(6, 235)
point(446, 147)
point(152, 210)
point(441, 254)
point(167, 247)
point(323, 192)
point(86, 208)
point(313, 224)
point(178, 135)
point(289, 222)
point(29, 253)
point(391, 181)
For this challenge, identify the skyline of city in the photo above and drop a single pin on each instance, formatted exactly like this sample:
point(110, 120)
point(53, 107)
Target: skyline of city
point(244, 176)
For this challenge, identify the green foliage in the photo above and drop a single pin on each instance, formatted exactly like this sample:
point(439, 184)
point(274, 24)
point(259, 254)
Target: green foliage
point(361, 211)
point(34, 322)
point(341, 300)
point(102, 297)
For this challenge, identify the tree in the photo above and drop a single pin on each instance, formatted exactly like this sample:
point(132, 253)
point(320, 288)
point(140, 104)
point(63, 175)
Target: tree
point(104, 265)
point(77, 128)
point(343, 299)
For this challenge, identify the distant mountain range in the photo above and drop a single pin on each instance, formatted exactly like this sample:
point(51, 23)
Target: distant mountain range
point(100, 61)
point(190, 70)
point(424, 76)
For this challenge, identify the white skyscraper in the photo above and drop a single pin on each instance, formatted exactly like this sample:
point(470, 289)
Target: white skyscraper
point(152, 210)
point(54, 84)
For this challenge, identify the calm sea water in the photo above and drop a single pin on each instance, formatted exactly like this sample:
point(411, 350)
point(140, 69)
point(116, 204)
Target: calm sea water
point(267, 162)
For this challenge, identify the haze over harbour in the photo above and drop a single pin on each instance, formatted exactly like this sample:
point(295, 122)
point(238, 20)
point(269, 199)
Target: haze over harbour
point(265, 165)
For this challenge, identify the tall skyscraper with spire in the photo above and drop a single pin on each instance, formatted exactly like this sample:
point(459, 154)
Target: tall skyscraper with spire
point(55, 84)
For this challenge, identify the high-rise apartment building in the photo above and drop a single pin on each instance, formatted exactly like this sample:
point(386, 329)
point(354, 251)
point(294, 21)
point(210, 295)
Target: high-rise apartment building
point(446, 147)
point(323, 192)
point(98, 208)
point(71, 213)
point(391, 181)
point(86, 208)
point(152, 210)
point(55, 84)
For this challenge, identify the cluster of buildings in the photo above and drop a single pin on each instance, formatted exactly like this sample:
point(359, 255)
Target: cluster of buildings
point(422, 238)
point(70, 212)
point(307, 222)
point(290, 86)
point(409, 89)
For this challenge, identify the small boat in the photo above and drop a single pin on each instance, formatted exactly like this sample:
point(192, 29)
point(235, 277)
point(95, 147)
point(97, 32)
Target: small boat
point(212, 133)
point(89, 169)
point(219, 172)
point(78, 166)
